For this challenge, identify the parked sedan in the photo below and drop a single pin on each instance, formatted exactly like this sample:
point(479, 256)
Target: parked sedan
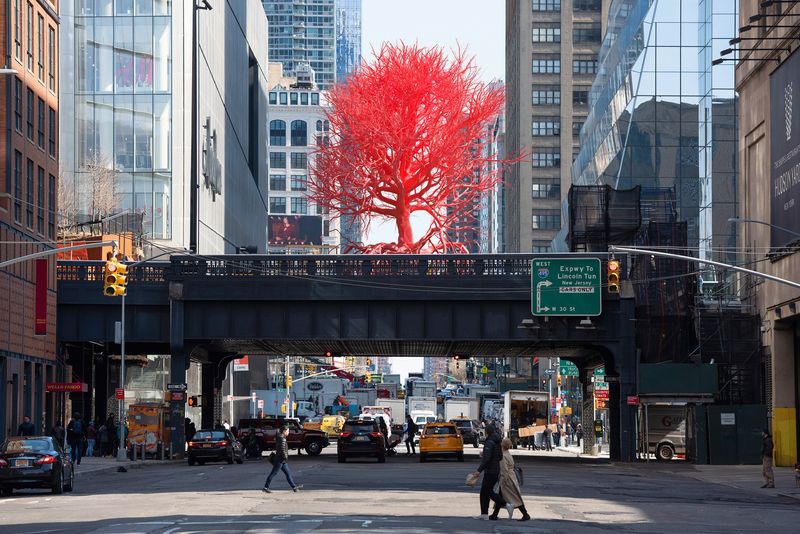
point(361, 437)
point(215, 446)
point(34, 462)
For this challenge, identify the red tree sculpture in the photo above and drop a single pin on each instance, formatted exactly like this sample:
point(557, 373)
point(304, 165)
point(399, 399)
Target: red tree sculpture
point(409, 134)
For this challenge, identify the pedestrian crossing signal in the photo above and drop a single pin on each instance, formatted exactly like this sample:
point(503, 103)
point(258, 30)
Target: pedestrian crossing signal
point(613, 276)
point(192, 402)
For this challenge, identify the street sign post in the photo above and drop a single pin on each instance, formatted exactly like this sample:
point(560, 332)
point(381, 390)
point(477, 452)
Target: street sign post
point(176, 387)
point(119, 394)
point(566, 287)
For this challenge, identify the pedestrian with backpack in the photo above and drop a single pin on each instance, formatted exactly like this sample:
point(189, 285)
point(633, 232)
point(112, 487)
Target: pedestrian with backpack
point(75, 436)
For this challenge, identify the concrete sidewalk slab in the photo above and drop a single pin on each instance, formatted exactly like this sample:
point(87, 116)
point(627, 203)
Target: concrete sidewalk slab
point(95, 465)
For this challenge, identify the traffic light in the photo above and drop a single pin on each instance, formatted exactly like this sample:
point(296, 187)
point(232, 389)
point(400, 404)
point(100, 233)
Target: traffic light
point(613, 276)
point(457, 359)
point(288, 381)
point(368, 377)
point(558, 380)
point(115, 278)
point(192, 402)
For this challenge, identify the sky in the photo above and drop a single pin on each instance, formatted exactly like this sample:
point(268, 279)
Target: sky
point(478, 25)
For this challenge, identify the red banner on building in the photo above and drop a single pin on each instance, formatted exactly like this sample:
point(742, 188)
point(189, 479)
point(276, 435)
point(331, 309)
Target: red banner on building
point(40, 325)
point(66, 387)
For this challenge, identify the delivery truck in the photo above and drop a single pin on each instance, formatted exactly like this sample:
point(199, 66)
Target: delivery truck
point(322, 391)
point(461, 408)
point(523, 409)
point(361, 397)
point(420, 388)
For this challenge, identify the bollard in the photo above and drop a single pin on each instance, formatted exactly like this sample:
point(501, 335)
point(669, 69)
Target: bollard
point(144, 453)
point(133, 452)
point(161, 446)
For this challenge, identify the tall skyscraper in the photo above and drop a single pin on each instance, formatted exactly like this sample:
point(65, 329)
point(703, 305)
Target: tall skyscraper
point(551, 62)
point(126, 119)
point(303, 31)
point(348, 37)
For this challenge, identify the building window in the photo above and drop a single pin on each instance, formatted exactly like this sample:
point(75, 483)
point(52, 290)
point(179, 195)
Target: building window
point(546, 188)
point(277, 133)
point(30, 37)
point(40, 125)
point(303, 99)
point(586, 33)
point(293, 99)
point(299, 133)
point(18, 29)
point(18, 104)
point(546, 126)
point(315, 99)
point(547, 34)
point(299, 205)
point(51, 58)
point(546, 95)
point(544, 219)
point(546, 5)
point(40, 42)
point(546, 64)
point(576, 127)
point(277, 160)
point(540, 245)
point(277, 182)
point(51, 132)
point(584, 65)
point(29, 194)
point(580, 96)
point(546, 158)
point(29, 117)
point(40, 201)
point(299, 182)
point(586, 5)
point(299, 160)
point(273, 98)
point(51, 207)
point(17, 186)
point(277, 205)
point(282, 98)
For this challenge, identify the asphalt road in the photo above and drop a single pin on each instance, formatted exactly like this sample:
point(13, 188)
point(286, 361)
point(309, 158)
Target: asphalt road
point(402, 495)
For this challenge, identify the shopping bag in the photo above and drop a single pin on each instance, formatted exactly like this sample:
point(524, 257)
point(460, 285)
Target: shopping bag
point(272, 457)
point(472, 479)
point(520, 476)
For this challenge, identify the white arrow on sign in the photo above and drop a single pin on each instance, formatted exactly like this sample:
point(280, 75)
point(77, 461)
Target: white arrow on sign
point(545, 283)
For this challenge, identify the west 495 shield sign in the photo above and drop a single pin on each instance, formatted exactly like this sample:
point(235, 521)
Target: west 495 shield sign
point(784, 85)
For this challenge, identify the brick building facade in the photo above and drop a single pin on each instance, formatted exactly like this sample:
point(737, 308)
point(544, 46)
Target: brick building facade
point(28, 217)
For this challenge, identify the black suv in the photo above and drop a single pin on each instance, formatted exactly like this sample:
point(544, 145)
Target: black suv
point(214, 445)
point(361, 437)
point(469, 431)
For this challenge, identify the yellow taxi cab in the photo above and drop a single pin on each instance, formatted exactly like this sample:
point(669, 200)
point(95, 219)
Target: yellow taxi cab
point(441, 439)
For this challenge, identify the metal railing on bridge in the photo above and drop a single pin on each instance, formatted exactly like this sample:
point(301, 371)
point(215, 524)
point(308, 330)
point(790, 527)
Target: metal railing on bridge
point(182, 267)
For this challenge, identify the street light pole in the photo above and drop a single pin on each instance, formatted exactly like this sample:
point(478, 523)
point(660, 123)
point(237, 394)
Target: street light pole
point(122, 450)
point(755, 221)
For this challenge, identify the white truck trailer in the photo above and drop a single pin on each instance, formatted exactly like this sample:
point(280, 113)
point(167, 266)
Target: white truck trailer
point(523, 408)
point(461, 408)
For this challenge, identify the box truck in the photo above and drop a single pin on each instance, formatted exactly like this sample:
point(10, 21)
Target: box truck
point(461, 408)
point(523, 409)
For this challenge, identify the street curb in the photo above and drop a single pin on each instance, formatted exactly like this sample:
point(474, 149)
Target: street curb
point(115, 467)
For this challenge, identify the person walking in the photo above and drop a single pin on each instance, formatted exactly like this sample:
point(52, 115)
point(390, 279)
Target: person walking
point(546, 442)
point(766, 459)
point(509, 485)
point(105, 442)
point(91, 438)
point(568, 430)
point(411, 431)
point(75, 436)
point(279, 463)
point(579, 434)
point(26, 428)
point(490, 466)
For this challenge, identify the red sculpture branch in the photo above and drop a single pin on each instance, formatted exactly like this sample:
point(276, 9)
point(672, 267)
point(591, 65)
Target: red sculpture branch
point(409, 135)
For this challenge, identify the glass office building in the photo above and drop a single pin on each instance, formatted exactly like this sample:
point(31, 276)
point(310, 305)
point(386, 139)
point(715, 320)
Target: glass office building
point(663, 117)
point(348, 37)
point(123, 104)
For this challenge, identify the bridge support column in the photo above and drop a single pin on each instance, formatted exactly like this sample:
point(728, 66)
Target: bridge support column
point(587, 413)
point(209, 393)
point(622, 418)
point(178, 364)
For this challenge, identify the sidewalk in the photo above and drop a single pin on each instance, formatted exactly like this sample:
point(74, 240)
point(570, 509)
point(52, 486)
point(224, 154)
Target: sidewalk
point(94, 465)
point(745, 477)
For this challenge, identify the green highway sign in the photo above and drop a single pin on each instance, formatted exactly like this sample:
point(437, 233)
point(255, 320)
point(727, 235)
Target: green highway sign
point(567, 368)
point(566, 286)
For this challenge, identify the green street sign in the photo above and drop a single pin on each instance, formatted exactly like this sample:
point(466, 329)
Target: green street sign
point(567, 368)
point(566, 286)
point(600, 371)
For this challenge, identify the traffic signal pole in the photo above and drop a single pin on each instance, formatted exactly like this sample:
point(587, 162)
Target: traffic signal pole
point(122, 450)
